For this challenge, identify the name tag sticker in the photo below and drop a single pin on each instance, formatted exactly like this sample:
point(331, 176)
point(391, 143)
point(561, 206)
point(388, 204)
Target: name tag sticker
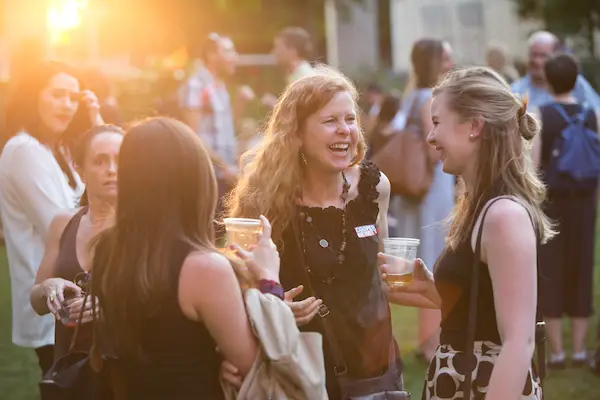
point(366, 231)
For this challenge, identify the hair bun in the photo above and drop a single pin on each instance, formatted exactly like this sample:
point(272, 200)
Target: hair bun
point(528, 126)
point(523, 109)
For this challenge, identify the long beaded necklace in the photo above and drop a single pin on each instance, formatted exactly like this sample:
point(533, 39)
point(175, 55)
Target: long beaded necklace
point(307, 219)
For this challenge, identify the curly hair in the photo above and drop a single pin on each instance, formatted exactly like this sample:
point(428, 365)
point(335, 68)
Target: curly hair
point(272, 173)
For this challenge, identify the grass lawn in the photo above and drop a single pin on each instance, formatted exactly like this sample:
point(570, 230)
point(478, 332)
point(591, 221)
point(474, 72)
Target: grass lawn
point(19, 372)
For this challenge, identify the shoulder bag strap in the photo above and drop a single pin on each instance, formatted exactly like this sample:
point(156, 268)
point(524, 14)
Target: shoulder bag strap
point(470, 346)
point(340, 367)
point(78, 326)
point(540, 330)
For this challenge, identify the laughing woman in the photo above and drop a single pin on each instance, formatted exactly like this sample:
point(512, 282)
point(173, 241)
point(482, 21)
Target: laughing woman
point(328, 209)
point(482, 132)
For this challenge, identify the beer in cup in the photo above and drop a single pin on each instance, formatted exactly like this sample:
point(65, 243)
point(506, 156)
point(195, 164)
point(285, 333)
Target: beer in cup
point(400, 273)
point(244, 232)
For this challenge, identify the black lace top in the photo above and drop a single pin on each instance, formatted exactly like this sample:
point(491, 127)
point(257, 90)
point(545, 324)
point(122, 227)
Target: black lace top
point(360, 312)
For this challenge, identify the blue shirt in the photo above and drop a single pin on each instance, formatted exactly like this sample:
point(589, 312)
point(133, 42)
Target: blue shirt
point(538, 96)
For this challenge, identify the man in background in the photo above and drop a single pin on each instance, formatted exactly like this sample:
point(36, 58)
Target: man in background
point(206, 106)
point(542, 45)
point(292, 49)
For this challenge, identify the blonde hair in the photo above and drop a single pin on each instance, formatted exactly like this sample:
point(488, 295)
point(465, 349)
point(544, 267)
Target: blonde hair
point(272, 172)
point(504, 157)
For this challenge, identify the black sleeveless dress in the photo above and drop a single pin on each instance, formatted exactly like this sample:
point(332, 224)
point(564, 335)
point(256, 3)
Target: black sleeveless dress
point(68, 267)
point(360, 313)
point(182, 359)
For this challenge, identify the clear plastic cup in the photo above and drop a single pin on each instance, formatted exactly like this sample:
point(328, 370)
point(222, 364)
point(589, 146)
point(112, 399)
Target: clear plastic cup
point(406, 250)
point(244, 232)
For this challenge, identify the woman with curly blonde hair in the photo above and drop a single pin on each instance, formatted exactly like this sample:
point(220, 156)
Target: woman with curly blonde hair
point(328, 210)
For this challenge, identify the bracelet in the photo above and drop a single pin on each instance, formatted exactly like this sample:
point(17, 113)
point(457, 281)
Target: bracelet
point(270, 287)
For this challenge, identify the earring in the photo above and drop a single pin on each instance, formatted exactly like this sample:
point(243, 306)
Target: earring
point(471, 136)
point(303, 158)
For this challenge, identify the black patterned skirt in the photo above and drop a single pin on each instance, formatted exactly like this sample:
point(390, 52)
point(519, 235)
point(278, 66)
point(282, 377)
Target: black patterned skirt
point(447, 373)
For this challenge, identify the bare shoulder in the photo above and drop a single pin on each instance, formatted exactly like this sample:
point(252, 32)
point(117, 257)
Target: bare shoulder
point(204, 278)
point(207, 265)
point(60, 221)
point(505, 220)
point(507, 214)
point(384, 188)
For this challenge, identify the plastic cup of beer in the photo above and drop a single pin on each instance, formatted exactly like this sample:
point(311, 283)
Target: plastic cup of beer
point(244, 232)
point(406, 250)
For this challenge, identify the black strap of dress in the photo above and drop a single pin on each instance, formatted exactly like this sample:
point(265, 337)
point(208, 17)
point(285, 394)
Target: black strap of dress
point(540, 336)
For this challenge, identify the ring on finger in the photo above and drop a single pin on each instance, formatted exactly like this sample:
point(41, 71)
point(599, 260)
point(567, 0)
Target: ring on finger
point(52, 295)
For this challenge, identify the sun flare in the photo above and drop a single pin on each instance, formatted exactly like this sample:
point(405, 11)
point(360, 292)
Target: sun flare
point(63, 16)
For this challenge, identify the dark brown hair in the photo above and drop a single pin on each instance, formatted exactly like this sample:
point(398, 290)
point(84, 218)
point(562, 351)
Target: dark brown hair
point(426, 58)
point(561, 73)
point(167, 194)
point(80, 148)
point(22, 114)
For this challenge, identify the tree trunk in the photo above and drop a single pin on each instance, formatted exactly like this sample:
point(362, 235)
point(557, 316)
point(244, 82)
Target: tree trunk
point(591, 28)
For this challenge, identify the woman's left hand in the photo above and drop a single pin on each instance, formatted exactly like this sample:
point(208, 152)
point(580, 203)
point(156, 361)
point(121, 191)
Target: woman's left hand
point(74, 307)
point(90, 100)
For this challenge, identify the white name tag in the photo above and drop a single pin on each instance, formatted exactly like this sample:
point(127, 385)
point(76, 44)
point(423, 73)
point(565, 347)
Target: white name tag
point(366, 231)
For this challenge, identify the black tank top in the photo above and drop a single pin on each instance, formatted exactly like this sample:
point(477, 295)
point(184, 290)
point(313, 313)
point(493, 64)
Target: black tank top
point(68, 267)
point(360, 313)
point(453, 272)
point(183, 362)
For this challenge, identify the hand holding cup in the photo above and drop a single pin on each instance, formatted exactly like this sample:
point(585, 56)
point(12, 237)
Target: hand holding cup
point(394, 273)
point(262, 259)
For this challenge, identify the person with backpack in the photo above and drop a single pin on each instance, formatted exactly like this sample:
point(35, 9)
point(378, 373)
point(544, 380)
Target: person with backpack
point(568, 155)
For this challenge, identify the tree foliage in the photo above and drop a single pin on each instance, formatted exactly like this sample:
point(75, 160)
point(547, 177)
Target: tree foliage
point(565, 17)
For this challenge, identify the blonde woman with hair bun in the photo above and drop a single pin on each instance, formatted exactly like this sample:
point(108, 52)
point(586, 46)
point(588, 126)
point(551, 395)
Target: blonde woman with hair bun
point(483, 134)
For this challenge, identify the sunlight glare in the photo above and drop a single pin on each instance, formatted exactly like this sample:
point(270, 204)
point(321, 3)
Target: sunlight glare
point(63, 16)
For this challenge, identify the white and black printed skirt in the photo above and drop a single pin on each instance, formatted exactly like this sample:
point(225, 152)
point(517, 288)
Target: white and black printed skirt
point(447, 370)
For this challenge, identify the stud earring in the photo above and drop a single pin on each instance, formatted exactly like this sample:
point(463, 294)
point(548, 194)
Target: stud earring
point(471, 136)
point(303, 158)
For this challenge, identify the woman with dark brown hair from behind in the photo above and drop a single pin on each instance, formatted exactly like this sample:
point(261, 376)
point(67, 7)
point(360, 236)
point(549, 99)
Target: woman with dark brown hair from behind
point(171, 306)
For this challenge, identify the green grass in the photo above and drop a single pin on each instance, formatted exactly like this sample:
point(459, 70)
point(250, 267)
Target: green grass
point(19, 371)
point(570, 384)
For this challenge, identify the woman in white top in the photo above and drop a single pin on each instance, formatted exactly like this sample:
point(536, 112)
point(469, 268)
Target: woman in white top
point(37, 181)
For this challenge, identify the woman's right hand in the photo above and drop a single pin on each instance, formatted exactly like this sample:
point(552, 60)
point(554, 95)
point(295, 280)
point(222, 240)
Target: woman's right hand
point(263, 259)
point(422, 278)
point(54, 290)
